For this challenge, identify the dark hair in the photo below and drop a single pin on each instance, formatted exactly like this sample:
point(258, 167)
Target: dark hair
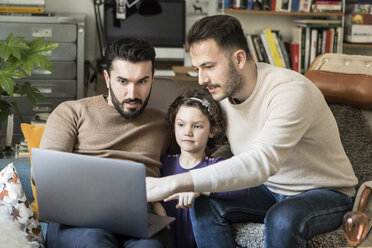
point(209, 108)
point(131, 50)
point(224, 29)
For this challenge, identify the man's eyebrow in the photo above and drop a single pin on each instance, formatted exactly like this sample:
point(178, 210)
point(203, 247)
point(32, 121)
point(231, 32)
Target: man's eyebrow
point(126, 79)
point(206, 63)
point(122, 78)
point(145, 77)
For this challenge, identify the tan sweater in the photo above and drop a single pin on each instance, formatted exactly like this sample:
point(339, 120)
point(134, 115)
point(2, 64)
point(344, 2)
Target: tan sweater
point(285, 136)
point(92, 127)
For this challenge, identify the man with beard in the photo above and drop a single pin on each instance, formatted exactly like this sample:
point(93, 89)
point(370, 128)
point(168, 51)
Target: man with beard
point(285, 142)
point(118, 126)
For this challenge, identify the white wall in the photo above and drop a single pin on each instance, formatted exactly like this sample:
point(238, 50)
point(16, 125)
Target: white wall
point(79, 7)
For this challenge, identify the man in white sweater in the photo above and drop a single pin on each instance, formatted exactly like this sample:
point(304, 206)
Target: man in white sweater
point(285, 142)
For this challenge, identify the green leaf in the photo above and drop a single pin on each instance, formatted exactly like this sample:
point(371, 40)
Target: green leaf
point(31, 93)
point(8, 84)
point(16, 46)
point(38, 46)
point(42, 62)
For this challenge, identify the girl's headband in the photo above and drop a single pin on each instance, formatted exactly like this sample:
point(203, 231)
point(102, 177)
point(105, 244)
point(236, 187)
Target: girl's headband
point(203, 102)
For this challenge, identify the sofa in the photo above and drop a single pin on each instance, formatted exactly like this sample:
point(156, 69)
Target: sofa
point(355, 126)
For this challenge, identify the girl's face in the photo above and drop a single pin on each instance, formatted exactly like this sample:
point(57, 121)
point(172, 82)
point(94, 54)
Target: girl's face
point(192, 129)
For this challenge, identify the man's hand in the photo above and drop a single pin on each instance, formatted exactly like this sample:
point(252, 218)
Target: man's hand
point(160, 188)
point(185, 199)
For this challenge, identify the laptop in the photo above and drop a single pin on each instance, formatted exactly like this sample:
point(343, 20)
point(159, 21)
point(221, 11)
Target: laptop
point(86, 191)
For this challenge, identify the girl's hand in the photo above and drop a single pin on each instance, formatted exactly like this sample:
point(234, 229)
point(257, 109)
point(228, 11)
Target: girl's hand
point(185, 199)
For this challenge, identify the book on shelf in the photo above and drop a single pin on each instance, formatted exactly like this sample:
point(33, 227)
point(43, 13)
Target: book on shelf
point(282, 49)
point(260, 49)
point(359, 29)
point(251, 48)
point(359, 38)
point(304, 6)
point(313, 44)
point(21, 150)
point(23, 2)
point(313, 38)
point(272, 48)
point(327, 6)
point(295, 5)
point(295, 48)
point(267, 49)
point(21, 9)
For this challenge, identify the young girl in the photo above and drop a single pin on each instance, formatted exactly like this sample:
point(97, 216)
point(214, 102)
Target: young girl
point(197, 121)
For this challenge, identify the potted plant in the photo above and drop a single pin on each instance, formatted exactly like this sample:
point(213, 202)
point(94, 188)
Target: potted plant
point(17, 60)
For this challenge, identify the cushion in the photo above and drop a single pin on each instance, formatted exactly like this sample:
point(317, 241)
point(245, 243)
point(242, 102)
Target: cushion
point(343, 78)
point(14, 203)
point(33, 136)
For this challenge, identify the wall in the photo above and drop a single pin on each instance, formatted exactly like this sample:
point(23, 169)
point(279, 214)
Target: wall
point(79, 7)
point(250, 23)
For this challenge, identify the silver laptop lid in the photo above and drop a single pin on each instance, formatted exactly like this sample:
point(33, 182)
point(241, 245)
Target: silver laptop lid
point(86, 191)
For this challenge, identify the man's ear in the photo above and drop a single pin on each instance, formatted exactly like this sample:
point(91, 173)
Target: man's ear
point(107, 78)
point(240, 58)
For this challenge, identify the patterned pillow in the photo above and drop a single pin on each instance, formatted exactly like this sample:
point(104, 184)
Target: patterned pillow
point(14, 202)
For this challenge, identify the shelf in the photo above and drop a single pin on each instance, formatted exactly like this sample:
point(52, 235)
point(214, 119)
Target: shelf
point(265, 12)
point(357, 45)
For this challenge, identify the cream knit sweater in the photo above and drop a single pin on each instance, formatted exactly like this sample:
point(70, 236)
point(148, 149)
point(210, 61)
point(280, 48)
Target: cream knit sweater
point(285, 136)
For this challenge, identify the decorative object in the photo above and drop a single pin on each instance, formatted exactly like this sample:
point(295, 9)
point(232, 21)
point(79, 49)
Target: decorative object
point(15, 204)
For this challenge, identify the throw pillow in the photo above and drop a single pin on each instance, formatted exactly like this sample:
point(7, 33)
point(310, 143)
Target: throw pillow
point(14, 203)
point(33, 136)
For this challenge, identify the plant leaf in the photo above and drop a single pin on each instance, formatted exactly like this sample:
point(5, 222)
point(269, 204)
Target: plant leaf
point(8, 84)
point(31, 93)
point(38, 46)
point(42, 62)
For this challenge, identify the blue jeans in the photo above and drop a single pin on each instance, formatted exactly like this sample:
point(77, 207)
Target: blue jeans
point(289, 220)
point(62, 236)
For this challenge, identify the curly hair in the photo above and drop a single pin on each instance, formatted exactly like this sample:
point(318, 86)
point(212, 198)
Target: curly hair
point(202, 100)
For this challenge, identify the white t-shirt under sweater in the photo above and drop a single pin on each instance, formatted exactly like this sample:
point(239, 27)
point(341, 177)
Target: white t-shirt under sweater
point(285, 136)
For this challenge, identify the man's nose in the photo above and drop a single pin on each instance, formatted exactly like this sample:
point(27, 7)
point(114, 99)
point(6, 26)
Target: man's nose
point(131, 90)
point(203, 78)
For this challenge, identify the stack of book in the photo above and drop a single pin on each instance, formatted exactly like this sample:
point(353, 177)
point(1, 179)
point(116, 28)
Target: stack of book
point(22, 150)
point(22, 6)
point(268, 47)
point(358, 28)
point(311, 38)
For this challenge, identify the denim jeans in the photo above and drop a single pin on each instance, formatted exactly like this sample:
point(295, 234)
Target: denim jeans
point(289, 220)
point(62, 236)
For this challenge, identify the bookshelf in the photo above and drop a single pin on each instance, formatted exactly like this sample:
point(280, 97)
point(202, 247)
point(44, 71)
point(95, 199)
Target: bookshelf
point(282, 13)
point(357, 45)
point(254, 21)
